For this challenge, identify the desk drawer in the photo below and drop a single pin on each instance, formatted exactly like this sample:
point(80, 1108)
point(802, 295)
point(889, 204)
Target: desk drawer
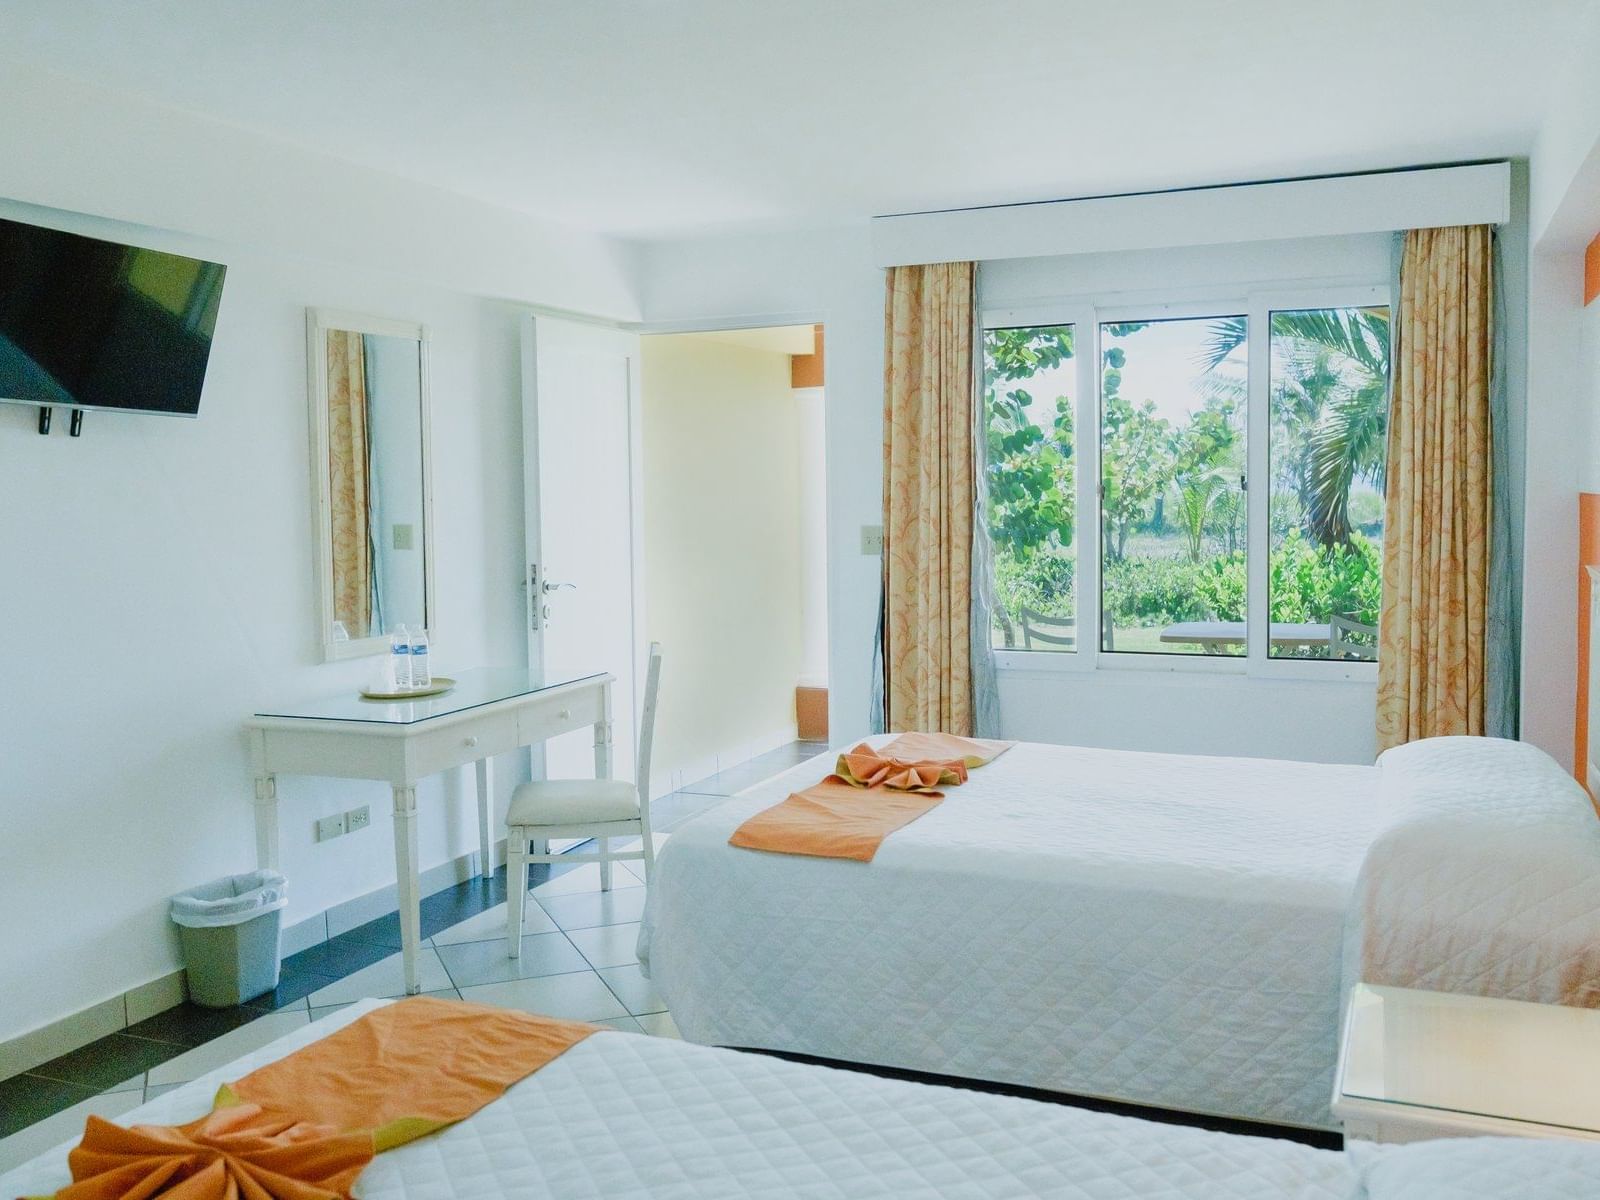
point(550, 716)
point(463, 742)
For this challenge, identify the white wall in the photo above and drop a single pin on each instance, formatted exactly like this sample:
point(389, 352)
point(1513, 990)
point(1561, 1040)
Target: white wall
point(156, 580)
point(723, 579)
point(1562, 450)
point(824, 277)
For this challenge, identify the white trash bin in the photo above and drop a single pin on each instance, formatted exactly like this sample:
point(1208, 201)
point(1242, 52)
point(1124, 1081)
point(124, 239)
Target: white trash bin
point(230, 932)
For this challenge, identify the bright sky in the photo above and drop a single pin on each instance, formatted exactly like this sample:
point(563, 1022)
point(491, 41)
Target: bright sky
point(1165, 363)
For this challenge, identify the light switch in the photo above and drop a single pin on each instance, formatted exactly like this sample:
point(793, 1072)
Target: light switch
point(872, 539)
point(402, 536)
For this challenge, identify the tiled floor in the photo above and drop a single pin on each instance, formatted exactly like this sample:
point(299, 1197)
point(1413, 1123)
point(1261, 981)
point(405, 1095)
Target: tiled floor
point(577, 961)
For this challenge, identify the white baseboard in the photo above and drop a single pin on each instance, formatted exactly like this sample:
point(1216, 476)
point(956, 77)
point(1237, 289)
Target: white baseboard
point(76, 1030)
point(684, 774)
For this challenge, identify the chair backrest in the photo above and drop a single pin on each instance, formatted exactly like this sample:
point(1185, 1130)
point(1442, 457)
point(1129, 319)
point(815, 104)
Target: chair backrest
point(1340, 645)
point(647, 724)
point(1052, 631)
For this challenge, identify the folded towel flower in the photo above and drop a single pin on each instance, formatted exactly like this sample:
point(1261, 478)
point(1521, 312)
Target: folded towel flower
point(243, 1152)
point(871, 793)
point(865, 767)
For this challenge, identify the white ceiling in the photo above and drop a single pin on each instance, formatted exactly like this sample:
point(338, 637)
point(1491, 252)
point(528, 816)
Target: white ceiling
point(656, 117)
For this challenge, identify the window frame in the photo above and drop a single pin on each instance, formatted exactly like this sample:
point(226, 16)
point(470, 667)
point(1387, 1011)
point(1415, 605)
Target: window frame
point(1087, 314)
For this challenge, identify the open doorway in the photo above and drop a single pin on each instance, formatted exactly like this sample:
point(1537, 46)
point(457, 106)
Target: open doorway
point(735, 556)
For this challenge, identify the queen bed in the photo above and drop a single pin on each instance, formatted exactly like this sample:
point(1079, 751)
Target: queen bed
point(1166, 930)
point(626, 1116)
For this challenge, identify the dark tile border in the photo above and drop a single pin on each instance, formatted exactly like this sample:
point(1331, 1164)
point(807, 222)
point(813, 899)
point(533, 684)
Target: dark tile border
point(90, 1070)
point(1321, 1139)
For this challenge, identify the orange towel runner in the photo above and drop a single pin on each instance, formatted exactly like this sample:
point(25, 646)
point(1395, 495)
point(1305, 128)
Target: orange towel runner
point(870, 794)
point(304, 1127)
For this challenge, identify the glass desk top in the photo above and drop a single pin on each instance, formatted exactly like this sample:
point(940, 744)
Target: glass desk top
point(473, 689)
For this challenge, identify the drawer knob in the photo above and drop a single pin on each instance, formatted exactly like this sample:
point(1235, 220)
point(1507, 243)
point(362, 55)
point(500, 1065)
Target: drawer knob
point(565, 714)
point(471, 741)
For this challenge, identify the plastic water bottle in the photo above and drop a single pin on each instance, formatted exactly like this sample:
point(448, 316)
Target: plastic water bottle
point(400, 658)
point(421, 672)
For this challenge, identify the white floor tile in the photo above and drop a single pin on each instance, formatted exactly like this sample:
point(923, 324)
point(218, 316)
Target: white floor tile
point(490, 925)
point(659, 1025)
point(608, 945)
point(585, 911)
point(384, 978)
point(136, 1084)
point(150, 1093)
point(472, 963)
point(626, 1024)
point(587, 879)
point(581, 996)
point(441, 994)
point(192, 1064)
point(63, 1126)
point(633, 989)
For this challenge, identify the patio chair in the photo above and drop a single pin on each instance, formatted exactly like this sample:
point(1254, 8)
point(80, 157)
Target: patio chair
point(1056, 633)
point(1340, 630)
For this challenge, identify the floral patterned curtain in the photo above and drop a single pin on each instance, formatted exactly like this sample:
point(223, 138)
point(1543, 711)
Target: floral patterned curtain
point(347, 479)
point(929, 495)
point(1433, 650)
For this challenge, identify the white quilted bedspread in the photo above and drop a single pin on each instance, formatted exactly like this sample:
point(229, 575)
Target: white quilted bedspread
point(1156, 928)
point(626, 1116)
point(1485, 879)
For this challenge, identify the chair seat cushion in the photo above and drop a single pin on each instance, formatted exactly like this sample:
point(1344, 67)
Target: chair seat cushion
point(573, 801)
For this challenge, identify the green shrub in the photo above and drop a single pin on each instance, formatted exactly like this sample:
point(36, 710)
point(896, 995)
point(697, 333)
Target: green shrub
point(1152, 591)
point(1313, 584)
point(1307, 584)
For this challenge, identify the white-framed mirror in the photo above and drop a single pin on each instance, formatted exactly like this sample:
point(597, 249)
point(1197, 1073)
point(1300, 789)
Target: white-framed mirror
point(372, 478)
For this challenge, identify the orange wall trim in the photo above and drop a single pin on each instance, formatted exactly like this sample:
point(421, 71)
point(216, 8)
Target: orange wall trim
point(1591, 270)
point(805, 370)
point(1588, 556)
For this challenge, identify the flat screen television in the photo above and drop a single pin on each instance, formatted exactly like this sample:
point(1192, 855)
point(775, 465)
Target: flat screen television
point(91, 324)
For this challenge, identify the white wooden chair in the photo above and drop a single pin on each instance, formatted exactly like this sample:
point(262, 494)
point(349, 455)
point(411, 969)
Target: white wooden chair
point(601, 809)
point(1054, 632)
point(1341, 645)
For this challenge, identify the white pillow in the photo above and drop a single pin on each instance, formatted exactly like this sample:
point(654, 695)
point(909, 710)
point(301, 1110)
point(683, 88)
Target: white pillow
point(1483, 1169)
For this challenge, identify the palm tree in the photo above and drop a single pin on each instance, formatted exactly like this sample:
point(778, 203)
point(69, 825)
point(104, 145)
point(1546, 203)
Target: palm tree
point(1338, 382)
point(1200, 494)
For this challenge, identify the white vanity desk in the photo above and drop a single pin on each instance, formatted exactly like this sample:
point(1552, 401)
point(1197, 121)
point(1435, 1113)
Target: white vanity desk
point(488, 712)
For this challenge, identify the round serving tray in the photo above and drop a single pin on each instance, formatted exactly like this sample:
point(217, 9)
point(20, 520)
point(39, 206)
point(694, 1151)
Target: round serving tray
point(441, 683)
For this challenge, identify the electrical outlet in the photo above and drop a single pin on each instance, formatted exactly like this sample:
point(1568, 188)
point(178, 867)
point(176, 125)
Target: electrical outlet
point(358, 818)
point(872, 539)
point(330, 827)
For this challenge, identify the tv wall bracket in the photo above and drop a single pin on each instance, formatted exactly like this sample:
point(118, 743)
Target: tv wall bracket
point(74, 427)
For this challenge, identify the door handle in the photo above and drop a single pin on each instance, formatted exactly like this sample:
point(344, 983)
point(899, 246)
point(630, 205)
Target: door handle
point(559, 587)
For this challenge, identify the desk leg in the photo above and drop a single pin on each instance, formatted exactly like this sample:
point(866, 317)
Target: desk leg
point(485, 770)
point(267, 822)
point(602, 770)
point(408, 883)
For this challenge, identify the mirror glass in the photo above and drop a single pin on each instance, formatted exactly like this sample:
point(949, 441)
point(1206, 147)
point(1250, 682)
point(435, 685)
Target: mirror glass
point(376, 486)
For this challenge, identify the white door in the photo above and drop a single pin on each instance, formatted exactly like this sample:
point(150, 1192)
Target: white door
point(580, 421)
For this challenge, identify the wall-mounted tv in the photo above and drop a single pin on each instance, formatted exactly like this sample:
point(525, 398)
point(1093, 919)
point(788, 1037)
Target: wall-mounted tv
point(93, 324)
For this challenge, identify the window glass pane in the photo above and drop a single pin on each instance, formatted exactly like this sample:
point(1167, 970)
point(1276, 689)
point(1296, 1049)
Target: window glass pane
point(1330, 415)
point(1027, 390)
point(1173, 395)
